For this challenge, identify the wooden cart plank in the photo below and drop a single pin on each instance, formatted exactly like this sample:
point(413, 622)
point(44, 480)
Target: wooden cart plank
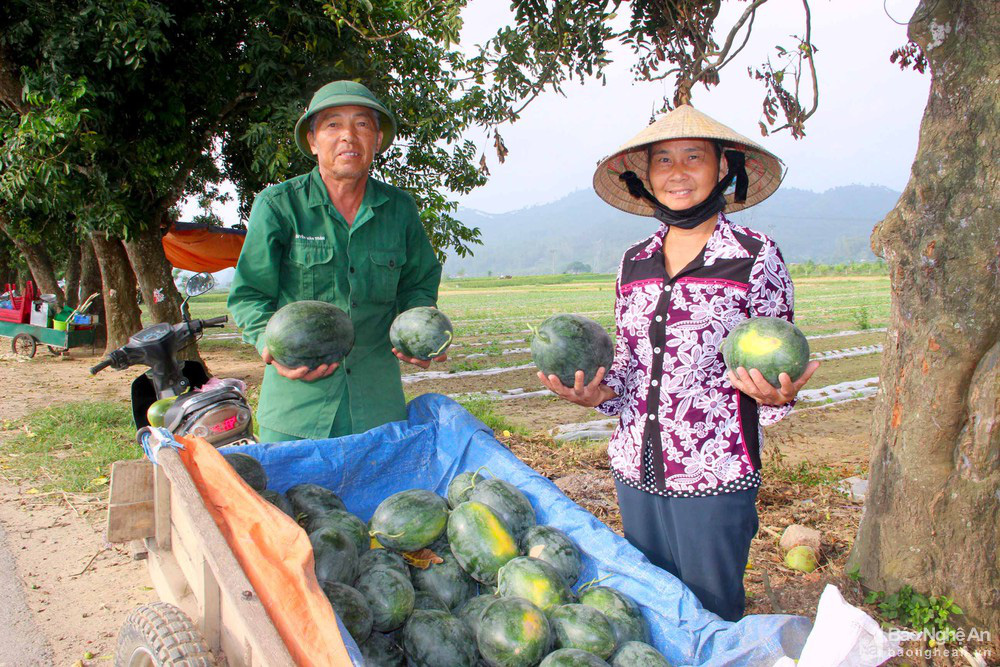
point(130, 504)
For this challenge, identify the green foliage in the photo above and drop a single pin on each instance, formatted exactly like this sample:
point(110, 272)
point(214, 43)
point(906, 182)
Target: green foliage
point(860, 318)
point(929, 614)
point(811, 269)
point(485, 411)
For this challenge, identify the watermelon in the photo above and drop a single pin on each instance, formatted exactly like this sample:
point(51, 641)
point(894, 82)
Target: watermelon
point(572, 657)
point(513, 632)
point(625, 616)
point(410, 520)
point(480, 540)
point(472, 609)
point(437, 639)
point(382, 558)
point(508, 502)
point(335, 556)
point(309, 500)
point(555, 548)
point(156, 413)
point(565, 344)
point(422, 332)
point(278, 500)
point(427, 600)
point(535, 581)
point(249, 469)
point(309, 333)
point(389, 595)
point(351, 607)
point(583, 627)
point(381, 651)
point(638, 654)
point(446, 580)
point(461, 486)
point(770, 344)
point(343, 521)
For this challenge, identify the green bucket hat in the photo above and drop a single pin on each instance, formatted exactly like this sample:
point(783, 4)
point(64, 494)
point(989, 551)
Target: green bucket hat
point(340, 94)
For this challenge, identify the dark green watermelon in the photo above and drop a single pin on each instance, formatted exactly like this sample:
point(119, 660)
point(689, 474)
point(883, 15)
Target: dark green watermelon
point(345, 522)
point(422, 332)
point(470, 610)
point(309, 333)
point(572, 657)
point(427, 600)
point(351, 608)
point(380, 650)
point(249, 469)
point(437, 639)
point(508, 502)
point(461, 486)
point(770, 344)
point(480, 540)
point(535, 581)
point(624, 614)
point(565, 344)
point(513, 632)
point(382, 558)
point(555, 548)
point(582, 627)
point(278, 500)
point(309, 500)
point(409, 520)
point(638, 654)
point(335, 556)
point(389, 594)
point(446, 580)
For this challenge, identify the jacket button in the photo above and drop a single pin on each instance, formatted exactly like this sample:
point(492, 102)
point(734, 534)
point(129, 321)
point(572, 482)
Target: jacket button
point(352, 269)
point(392, 263)
point(652, 418)
point(659, 318)
point(656, 350)
point(354, 304)
point(347, 370)
point(655, 382)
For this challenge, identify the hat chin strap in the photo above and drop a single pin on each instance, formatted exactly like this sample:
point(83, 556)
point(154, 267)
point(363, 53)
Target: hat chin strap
point(714, 203)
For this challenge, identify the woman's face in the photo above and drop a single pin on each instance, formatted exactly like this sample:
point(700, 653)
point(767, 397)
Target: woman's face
point(683, 172)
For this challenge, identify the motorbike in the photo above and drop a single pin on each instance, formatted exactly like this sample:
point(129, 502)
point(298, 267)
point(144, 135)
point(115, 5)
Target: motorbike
point(180, 396)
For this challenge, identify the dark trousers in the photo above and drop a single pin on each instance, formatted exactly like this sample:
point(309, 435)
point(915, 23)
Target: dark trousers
point(704, 542)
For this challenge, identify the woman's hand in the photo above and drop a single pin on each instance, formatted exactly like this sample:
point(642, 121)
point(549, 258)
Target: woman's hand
point(753, 384)
point(302, 372)
point(589, 395)
point(418, 362)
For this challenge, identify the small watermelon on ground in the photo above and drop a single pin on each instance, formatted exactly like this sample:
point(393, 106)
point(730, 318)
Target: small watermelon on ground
point(565, 344)
point(461, 486)
point(335, 556)
point(390, 597)
point(770, 344)
point(437, 639)
point(249, 469)
point(535, 581)
point(351, 608)
point(309, 500)
point(410, 520)
point(471, 610)
point(624, 614)
point(638, 654)
point(427, 600)
point(447, 580)
point(555, 548)
point(380, 650)
point(382, 558)
point(572, 657)
point(508, 502)
point(309, 333)
point(422, 332)
point(583, 627)
point(278, 500)
point(480, 540)
point(512, 632)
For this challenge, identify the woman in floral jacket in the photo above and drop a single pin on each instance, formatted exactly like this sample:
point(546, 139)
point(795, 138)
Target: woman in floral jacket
point(686, 453)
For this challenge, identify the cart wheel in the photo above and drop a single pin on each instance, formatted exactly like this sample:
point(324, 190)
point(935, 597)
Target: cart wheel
point(24, 345)
point(158, 634)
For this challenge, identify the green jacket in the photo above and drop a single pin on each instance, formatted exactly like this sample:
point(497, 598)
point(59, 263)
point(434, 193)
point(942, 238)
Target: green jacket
point(299, 247)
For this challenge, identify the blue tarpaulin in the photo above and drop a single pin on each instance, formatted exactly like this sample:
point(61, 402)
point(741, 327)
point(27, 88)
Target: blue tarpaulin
point(441, 439)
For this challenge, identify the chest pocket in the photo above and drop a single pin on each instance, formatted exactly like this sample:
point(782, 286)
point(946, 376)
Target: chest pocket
point(385, 266)
point(307, 261)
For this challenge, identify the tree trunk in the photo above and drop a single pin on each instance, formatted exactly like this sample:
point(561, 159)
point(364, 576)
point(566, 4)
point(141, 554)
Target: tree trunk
point(73, 276)
point(90, 282)
point(122, 317)
point(932, 516)
point(39, 263)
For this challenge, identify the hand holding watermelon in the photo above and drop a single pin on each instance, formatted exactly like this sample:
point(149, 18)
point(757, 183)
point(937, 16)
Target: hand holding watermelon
point(421, 335)
point(588, 395)
point(300, 373)
point(774, 350)
point(753, 384)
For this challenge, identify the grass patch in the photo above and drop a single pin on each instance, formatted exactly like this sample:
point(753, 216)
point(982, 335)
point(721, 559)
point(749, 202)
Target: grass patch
point(70, 447)
point(485, 411)
point(803, 473)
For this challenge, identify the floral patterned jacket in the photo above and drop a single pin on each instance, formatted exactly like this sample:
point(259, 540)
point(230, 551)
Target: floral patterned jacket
point(684, 430)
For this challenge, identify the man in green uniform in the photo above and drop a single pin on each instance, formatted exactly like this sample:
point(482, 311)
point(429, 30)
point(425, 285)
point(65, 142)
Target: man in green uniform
point(340, 236)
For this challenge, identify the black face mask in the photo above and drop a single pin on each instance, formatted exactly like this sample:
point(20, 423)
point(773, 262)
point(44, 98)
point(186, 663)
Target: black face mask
point(714, 203)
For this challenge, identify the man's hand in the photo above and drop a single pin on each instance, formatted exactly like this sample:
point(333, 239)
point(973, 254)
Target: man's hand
point(302, 372)
point(425, 364)
point(753, 384)
point(589, 395)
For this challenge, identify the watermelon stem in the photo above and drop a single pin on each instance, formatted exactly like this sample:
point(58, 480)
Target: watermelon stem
point(374, 533)
point(443, 347)
point(592, 582)
point(476, 476)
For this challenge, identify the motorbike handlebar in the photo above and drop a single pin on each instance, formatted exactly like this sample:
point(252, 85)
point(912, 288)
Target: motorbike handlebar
point(215, 321)
point(101, 366)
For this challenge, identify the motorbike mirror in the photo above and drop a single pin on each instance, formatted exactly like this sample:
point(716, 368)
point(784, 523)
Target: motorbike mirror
point(198, 284)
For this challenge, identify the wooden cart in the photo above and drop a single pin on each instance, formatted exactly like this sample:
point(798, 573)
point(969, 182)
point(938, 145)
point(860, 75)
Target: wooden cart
point(209, 613)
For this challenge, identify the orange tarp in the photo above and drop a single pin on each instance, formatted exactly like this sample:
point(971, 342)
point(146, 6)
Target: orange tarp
point(275, 554)
point(202, 249)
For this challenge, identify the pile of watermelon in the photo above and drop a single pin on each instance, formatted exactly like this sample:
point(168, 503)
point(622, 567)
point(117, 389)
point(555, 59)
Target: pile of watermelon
point(461, 581)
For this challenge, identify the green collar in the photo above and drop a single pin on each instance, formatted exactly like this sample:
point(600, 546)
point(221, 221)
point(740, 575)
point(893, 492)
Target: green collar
point(375, 194)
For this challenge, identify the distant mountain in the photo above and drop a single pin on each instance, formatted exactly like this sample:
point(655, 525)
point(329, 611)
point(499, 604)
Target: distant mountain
point(581, 230)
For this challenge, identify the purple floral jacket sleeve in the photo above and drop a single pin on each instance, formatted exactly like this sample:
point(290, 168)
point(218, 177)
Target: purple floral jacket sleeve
point(771, 295)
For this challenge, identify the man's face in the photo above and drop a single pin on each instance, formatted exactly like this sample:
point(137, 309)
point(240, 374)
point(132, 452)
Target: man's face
point(683, 172)
point(344, 141)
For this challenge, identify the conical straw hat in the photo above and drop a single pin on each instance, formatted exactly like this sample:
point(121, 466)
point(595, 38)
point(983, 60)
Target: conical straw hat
point(764, 169)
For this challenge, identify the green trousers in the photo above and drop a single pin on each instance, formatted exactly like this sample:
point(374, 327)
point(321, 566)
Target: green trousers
point(342, 425)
